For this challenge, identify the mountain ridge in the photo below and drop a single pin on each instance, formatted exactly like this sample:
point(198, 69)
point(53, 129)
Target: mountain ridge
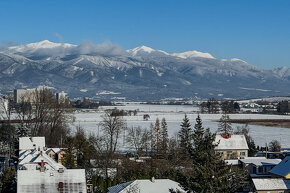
point(142, 73)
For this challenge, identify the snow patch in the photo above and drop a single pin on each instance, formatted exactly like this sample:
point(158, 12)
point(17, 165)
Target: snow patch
point(105, 92)
point(192, 54)
point(255, 89)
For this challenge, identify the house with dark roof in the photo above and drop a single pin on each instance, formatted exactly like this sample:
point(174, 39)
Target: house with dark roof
point(259, 167)
point(282, 170)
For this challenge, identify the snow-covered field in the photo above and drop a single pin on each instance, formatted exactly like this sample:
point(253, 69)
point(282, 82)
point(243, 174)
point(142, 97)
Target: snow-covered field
point(174, 114)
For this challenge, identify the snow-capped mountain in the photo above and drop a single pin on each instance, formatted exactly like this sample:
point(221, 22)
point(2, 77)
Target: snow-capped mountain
point(107, 70)
point(32, 47)
point(192, 54)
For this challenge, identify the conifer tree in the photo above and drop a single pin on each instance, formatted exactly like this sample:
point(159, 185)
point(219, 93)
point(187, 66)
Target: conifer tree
point(185, 139)
point(164, 133)
point(225, 126)
point(158, 138)
point(198, 133)
point(8, 182)
point(152, 137)
point(210, 173)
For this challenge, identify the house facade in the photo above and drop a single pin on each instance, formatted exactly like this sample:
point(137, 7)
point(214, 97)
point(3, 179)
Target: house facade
point(38, 171)
point(231, 146)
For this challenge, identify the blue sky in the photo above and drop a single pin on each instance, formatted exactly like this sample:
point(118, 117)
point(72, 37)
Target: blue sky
point(253, 30)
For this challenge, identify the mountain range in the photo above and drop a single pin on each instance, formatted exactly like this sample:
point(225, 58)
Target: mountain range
point(106, 70)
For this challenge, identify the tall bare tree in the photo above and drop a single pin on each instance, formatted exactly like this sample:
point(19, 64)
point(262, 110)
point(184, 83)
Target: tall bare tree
point(112, 126)
point(44, 115)
point(138, 138)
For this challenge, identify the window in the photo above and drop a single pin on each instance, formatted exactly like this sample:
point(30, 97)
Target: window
point(260, 170)
point(242, 153)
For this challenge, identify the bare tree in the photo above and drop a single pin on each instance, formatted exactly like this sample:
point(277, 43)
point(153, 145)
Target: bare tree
point(43, 115)
point(138, 139)
point(112, 126)
point(275, 146)
point(7, 129)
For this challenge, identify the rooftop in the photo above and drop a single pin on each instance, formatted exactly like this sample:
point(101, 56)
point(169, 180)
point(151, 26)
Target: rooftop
point(260, 161)
point(271, 184)
point(146, 186)
point(234, 142)
point(29, 143)
point(283, 168)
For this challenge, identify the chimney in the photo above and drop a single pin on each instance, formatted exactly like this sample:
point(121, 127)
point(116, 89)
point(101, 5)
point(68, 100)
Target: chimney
point(41, 153)
point(226, 135)
point(152, 179)
point(42, 169)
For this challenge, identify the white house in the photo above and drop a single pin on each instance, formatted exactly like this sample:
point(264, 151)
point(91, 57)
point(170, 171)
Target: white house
point(146, 186)
point(38, 172)
point(231, 146)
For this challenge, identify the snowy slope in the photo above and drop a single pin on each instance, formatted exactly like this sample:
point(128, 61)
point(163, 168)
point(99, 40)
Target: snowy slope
point(139, 73)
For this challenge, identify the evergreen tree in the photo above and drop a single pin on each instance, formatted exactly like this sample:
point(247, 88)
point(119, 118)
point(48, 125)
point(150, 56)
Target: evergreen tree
point(198, 133)
point(165, 140)
point(152, 139)
point(22, 131)
point(210, 173)
point(225, 126)
point(158, 136)
point(8, 180)
point(185, 139)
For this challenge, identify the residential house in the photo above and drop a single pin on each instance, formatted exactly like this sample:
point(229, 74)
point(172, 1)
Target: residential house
point(279, 182)
point(271, 185)
point(39, 172)
point(56, 153)
point(282, 170)
point(259, 167)
point(146, 186)
point(231, 146)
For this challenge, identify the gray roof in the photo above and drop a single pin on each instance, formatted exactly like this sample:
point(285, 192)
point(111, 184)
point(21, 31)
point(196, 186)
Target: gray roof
point(260, 161)
point(271, 184)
